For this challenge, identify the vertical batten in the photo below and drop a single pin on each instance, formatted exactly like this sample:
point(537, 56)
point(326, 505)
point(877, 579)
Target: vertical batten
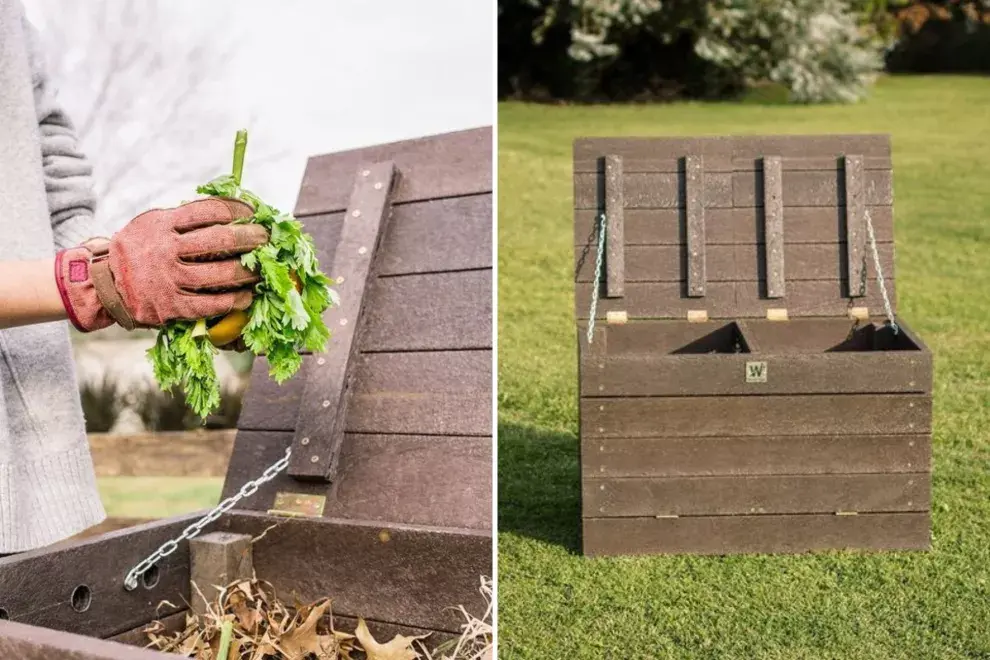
point(855, 217)
point(773, 219)
point(615, 260)
point(695, 212)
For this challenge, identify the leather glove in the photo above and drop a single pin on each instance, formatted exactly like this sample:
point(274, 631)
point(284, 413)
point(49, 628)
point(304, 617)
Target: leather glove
point(165, 264)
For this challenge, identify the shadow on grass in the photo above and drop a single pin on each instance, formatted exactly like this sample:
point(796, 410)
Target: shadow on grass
point(539, 485)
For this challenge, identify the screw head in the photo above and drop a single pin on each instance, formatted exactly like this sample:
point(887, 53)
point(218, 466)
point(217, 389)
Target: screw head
point(362, 250)
point(378, 186)
point(321, 361)
point(356, 213)
point(343, 321)
point(314, 459)
point(326, 404)
point(305, 441)
point(366, 173)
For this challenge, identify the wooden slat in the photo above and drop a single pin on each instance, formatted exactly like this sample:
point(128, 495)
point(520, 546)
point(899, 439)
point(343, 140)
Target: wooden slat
point(423, 237)
point(727, 153)
point(430, 312)
point(855, 225)
point(749, 534)
point(729, 300)
point(35, 587)
point(326, 395)
point(773, 211)
point(734, 226)
point(178, 454)
point(449, 165)
point(442, 481)
point(386, 572)
point(756, 415)
point(841, 372)
point(436, 393)
point(741, 495)
point(729, 263)
point(614, 240)
point(752, 455)
point(695, 213)
point(22, 642)
point(739, 189)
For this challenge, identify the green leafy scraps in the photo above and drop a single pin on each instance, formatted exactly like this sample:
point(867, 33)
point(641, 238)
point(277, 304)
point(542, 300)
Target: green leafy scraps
point(282, 321)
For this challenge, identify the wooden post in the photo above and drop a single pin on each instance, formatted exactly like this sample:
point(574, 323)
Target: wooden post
point(323, 410)
point(615, 240)
point(216, 560)
point(855, 229)
point(773, 218)
point(694, 192)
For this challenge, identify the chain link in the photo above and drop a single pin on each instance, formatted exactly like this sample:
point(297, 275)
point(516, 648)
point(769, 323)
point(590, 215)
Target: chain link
point(598, 278)
point(167, 548)
point(880, 280)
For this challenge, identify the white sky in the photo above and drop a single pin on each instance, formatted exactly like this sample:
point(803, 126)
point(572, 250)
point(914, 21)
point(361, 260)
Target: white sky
point(346, 73)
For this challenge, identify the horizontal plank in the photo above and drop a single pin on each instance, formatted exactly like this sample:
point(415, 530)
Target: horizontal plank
point(449, 165)
point(734, 189)
point(442, 481)
point(728, 263)
point(645, 154)
point(25, 642)
point(424, 237)
point(35, 587)
point(846, 372)
point(718, 535)
point(811, 414)
point(390, 573)
point(111, 524)
point(645, 162)
point(430, 312)
point(430, 392)
point(753, 455)
point(820, 335)
point(137, 637)
point(172, 454)
point(740, 495)
point(744, 226)
point(723, 300)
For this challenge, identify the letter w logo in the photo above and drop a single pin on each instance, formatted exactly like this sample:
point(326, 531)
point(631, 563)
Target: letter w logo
point(756, 372)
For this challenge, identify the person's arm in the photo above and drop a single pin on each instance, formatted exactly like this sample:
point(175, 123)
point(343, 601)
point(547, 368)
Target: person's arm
point(68, 174)
point(29, 293)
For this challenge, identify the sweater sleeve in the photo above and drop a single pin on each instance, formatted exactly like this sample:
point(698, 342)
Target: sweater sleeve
point(68, 174)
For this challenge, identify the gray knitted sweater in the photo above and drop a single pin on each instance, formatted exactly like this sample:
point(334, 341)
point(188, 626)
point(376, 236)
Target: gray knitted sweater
point(47, 486)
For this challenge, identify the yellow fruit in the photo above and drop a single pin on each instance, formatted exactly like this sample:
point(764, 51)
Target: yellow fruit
point(228, 328)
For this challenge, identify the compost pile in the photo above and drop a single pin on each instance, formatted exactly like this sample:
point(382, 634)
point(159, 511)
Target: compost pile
point(247, 621)
point(284, 318)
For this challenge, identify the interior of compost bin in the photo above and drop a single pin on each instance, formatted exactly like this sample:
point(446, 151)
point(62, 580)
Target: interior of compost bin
point(824, 336)
point(676, 338)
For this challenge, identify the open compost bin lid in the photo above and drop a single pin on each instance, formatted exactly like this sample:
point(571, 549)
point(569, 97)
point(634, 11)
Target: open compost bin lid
point(393, 422)
point(734, 227)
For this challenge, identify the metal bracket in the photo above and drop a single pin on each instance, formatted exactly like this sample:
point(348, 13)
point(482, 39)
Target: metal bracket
point(298, 505)
point(323, 410)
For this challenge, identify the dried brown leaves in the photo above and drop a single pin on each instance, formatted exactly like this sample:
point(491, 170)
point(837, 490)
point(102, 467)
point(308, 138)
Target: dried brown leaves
point(265, 629)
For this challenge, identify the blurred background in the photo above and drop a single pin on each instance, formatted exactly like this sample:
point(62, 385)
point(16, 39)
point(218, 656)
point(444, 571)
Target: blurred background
point(808, 50)
point(157, 91)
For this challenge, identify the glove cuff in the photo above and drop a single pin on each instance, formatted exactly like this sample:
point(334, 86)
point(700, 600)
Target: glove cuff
point(74, 278)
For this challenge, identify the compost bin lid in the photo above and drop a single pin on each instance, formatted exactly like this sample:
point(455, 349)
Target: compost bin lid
point(733, 227)
point(410, 359)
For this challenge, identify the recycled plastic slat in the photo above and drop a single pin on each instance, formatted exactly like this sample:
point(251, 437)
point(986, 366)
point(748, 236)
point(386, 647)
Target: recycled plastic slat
point(773, 211)
point(614, 238)
point(855, 225)
point(695, 212)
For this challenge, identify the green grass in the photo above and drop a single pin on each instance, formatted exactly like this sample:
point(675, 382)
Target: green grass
point(158, 497)
point(554, 603)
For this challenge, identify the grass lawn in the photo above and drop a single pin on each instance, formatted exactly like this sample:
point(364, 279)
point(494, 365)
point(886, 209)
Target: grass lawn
point(553, 602)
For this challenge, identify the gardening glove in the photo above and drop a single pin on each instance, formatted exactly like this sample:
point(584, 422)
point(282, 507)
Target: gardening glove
point(165, 264)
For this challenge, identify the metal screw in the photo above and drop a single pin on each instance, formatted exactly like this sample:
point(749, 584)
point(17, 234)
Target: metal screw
point(326, 404)
point(601, 388)
point(314, 459)
point(340, 280)
point(356, 213)
point(305, 441)
point(602, 487)
point(343, 321)
point(362, 250)
point(378, 186)
point(365, 172)
point(601, 430)
point(321, 361)
point(601, 407)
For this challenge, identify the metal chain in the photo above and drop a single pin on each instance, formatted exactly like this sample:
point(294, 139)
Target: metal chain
point(880, 280)
point(167, 548)
point(598, 278)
